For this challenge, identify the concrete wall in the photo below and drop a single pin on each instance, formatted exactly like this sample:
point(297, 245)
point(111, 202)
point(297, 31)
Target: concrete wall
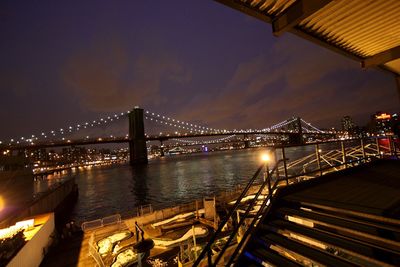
point(32, 253)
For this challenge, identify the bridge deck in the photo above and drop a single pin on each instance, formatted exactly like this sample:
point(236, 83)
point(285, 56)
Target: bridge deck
point(372, 189)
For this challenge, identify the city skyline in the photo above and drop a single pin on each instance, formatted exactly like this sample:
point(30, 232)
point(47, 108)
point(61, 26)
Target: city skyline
point(199, 62)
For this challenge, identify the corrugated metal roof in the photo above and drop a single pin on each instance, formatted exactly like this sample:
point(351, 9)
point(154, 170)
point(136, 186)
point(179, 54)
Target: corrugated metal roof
point(362, 27)
point(269, 7)
point(358, 28)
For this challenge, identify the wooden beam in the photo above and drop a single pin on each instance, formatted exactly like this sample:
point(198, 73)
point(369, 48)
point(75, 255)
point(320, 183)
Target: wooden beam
point(381, 58)
point(295, 13)
point(242, 7)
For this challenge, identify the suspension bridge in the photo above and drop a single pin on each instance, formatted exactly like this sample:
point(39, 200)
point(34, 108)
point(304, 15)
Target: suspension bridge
point(294, 129)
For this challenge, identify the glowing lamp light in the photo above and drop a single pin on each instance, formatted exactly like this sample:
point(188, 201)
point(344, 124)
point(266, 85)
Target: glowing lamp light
point(265, 157)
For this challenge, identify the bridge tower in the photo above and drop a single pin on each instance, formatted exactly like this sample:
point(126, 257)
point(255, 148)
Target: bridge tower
point(297, 138)
point(137, 139)
point(246, 141)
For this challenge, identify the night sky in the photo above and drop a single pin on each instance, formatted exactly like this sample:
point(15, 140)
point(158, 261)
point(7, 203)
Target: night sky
point(64, 62)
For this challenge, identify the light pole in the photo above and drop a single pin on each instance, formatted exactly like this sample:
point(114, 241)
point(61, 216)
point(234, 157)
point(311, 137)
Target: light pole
point(266, 158)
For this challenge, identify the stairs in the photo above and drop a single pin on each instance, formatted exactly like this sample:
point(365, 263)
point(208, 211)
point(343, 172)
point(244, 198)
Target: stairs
point(301, 233)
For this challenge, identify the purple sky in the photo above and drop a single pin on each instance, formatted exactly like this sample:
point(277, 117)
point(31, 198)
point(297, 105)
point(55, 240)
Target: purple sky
point(64, 62)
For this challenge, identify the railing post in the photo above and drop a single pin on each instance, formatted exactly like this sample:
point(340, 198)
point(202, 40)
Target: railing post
point(363, 149)
point(268, 179)
point(390, 145)
point(284, 165)
point(209, 257)
point(277, 174)
point(378, 148)
point(343, 154)
point(318, 159)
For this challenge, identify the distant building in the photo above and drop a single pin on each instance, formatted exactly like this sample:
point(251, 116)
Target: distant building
point(382, 122)
point(348, 125)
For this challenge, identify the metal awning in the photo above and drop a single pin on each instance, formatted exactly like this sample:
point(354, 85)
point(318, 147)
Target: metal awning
point(365, 30)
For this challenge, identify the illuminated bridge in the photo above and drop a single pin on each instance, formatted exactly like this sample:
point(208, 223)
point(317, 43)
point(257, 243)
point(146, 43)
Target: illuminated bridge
point(187, 134)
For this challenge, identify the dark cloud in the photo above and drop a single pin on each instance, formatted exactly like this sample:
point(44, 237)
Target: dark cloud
point(297, 78)
point(196, 61)
point(105, 77)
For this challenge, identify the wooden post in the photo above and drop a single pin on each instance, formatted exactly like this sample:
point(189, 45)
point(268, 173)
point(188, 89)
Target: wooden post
point(284, 165)
point(318, 159)
point(343, 154)
point(363, 149)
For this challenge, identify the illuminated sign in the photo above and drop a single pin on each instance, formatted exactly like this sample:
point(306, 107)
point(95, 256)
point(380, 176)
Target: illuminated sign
point(383, 116)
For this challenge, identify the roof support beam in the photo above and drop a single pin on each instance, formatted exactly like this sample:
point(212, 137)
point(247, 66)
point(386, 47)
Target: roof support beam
point(238, 5)
point(295, 13)
point(381, 58)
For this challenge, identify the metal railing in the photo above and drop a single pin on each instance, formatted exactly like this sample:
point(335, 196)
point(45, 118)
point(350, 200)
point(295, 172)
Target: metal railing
point(253, 181)
point(350, 153)
point(334, 155)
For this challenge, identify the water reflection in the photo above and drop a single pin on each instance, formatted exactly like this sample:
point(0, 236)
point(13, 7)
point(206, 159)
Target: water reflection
point(139, 187)
point(163, 182)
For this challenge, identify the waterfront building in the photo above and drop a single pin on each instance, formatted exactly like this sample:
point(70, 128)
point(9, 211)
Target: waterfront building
point(347, 124)
point(382, 123)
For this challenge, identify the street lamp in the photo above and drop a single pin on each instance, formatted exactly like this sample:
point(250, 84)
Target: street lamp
point(265, 157)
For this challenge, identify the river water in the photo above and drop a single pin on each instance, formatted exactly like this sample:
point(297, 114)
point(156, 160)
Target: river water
point(163, 182)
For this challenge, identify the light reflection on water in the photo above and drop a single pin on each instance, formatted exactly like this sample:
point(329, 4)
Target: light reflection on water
point(163, 182)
